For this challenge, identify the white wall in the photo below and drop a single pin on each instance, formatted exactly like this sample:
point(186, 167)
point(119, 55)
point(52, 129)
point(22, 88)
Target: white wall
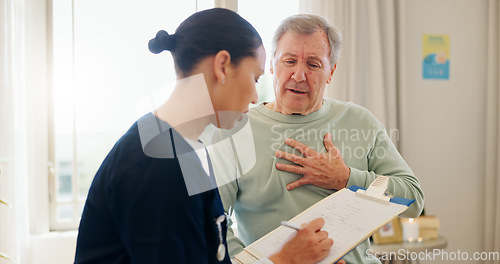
point(443, 140)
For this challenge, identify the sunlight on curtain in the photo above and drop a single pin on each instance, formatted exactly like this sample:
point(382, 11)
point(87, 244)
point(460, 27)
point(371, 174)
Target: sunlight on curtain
point(14, 226)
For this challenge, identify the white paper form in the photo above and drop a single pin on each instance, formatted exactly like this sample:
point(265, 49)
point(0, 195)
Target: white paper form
point(349, 220)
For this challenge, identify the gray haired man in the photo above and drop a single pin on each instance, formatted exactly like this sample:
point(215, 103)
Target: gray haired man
point(309, 146)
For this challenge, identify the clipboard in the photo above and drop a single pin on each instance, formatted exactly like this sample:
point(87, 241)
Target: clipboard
point(351, 216)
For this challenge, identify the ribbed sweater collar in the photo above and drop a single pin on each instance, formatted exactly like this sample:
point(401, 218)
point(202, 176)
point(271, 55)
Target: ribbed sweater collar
point(295, 119)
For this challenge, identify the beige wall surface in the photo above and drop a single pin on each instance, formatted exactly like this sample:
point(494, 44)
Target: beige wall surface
point(443, 135)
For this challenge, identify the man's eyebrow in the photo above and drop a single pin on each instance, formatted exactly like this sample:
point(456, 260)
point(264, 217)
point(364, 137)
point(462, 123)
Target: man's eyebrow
point(314, 57)
point(288, 54)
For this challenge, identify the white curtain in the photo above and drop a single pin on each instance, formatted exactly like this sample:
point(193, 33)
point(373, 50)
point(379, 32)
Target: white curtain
point(14, 226)
point(366, 72)
point(492, 178)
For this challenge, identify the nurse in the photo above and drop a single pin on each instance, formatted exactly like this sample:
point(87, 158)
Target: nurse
point(154, 199)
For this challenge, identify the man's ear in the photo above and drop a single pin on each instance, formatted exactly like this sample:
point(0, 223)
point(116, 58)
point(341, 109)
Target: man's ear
point(271, 65)
point(331, 74)
point(222, 61)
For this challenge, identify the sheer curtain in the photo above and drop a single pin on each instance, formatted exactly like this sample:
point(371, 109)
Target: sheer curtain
point(492, 177)
point(366, 72)
point(14, 225)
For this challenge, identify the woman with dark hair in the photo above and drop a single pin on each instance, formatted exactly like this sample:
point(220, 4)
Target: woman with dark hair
point(154, 198)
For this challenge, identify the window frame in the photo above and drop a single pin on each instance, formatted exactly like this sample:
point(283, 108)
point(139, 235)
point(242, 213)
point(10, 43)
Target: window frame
point(56, 224)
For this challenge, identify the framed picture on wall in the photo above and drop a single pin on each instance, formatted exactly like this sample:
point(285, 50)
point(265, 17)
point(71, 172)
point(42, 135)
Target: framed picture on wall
point(389, 233)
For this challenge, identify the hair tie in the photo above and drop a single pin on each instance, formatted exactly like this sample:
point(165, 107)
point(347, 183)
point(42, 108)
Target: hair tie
point(162, 41)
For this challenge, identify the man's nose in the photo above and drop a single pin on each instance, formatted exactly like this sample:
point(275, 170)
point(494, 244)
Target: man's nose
point(300, 74)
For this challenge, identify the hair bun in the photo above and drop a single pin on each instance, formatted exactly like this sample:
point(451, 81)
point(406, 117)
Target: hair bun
point(162, 41)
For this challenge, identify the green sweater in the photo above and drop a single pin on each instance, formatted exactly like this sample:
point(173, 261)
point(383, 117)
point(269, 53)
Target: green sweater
point(259, 197)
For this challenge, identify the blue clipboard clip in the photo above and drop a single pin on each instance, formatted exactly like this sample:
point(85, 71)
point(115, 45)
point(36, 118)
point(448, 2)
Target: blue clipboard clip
point(380, 196)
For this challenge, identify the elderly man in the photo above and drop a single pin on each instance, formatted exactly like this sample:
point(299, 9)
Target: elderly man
point(309, 146)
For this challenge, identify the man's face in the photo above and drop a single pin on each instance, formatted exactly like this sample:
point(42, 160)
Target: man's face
point(301, 69)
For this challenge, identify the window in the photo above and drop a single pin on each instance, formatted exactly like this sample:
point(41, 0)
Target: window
point(101, 67)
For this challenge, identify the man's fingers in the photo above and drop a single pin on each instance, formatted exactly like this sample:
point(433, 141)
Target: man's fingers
point(327, 140)
point(290, 157)
point(290, 168)
point(296, 184)
point(330, 147)
point(303, 149)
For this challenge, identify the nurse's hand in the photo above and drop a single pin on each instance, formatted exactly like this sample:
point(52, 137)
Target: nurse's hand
point(309, 245)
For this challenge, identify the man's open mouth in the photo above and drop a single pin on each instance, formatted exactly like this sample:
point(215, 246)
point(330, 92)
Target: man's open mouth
point(296, 91)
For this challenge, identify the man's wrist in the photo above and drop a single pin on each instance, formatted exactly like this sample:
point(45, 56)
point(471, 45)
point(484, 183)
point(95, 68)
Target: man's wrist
point(343, 179)
point(348, 175)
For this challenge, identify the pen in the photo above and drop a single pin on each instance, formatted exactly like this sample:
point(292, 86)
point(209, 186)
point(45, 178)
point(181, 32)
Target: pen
point(287, 224)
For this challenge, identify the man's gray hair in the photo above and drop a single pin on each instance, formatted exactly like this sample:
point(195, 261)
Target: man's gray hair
point(307, 24)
